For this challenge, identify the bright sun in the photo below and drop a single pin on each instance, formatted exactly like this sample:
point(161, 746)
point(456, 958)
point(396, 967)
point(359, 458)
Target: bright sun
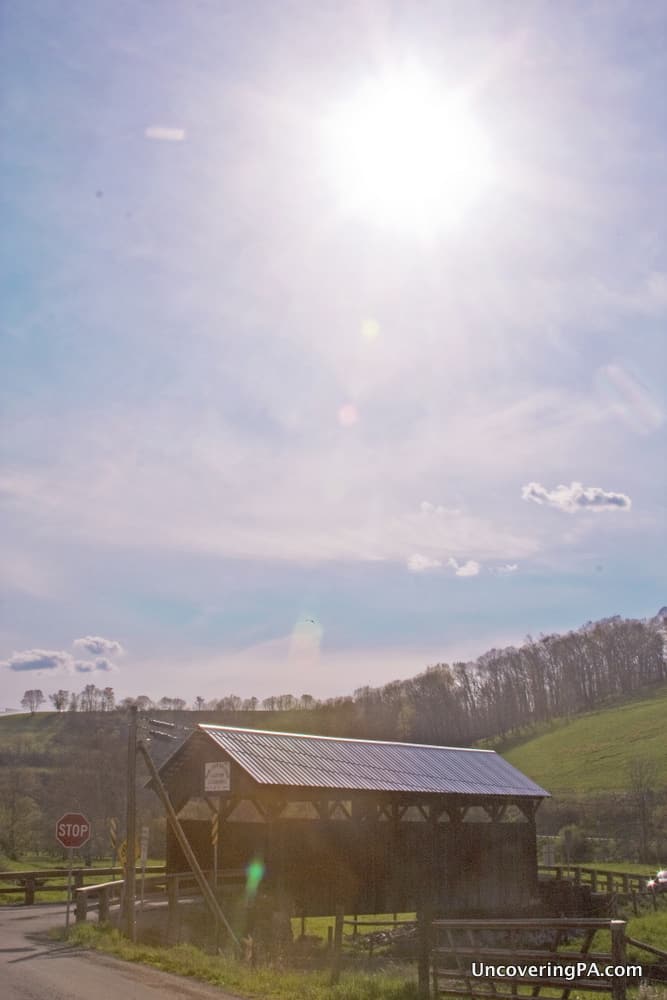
point(406, 156)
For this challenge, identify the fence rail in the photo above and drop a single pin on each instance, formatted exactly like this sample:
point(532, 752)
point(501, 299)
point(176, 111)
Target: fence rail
point(173, 888)
point(599, 879)
point(42, 880)
point(467, 956)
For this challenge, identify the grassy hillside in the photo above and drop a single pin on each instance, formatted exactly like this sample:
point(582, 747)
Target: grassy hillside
point(34, 731)
point(592, 752)
point(589, 753)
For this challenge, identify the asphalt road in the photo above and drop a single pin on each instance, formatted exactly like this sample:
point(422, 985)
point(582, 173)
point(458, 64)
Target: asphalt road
point(34, 968)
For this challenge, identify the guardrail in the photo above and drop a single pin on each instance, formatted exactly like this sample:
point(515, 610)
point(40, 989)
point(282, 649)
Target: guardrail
point(174, 888)
point(31, 882)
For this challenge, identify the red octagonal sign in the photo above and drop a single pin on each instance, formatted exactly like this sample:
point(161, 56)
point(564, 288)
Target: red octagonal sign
point(72, 830)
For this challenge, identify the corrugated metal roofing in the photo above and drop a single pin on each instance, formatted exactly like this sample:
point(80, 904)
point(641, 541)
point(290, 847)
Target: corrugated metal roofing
point(369, 765)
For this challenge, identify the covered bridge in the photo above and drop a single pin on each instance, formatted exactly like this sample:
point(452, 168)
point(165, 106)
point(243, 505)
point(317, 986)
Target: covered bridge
point(367, 824)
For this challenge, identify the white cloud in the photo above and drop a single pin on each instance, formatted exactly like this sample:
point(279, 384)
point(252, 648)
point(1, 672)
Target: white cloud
point(417, 563)
point(38, 659)
point(507, 569)
point(60, 661)
point(427, 507)
point(96, 645)
point(576, 497)
point(100, 665)
point(165, 134)
point(469, 568)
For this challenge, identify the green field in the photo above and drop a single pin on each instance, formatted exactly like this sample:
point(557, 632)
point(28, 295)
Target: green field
point(31, 732)
point(592, 752)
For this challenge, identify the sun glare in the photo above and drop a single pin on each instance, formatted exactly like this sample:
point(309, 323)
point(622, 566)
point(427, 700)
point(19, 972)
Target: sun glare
point(405, 155)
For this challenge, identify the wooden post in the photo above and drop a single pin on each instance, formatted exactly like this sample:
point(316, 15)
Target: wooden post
point(618, 958)
point(29, 891)
point(337, 947)
point(424, 916)
point(81, 906)
point(172, 908)
point(103, 905)
point(131, 826)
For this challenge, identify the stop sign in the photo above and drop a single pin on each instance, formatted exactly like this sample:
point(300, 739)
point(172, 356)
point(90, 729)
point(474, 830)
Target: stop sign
point(72, 830)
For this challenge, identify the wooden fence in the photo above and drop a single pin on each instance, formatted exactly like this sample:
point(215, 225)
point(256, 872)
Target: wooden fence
point(46, 880)
point(618, 887)
point(172, 888)
point(599, 879)
point(499, 958)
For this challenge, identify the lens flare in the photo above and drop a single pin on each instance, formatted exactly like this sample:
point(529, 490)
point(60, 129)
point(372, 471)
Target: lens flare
point(370, 329)
point(348, 415)
point(254, 872)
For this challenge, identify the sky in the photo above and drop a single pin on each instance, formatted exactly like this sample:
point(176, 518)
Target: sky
point(332, 336)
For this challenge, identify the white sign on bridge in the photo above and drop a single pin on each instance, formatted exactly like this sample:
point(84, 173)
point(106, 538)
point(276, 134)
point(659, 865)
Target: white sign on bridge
point(217, 776)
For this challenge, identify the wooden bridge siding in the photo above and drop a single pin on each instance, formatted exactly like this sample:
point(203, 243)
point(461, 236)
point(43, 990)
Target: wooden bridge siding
point(377, 867)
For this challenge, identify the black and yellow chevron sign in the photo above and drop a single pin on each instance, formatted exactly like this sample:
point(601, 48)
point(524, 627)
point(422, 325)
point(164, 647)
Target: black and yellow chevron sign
point(214, 830)
point(113, 832)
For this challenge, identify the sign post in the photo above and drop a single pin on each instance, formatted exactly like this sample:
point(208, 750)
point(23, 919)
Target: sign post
point(145, 833)
point(214, 844)
point(217, 778)
point(113, 838)
point(72, 830)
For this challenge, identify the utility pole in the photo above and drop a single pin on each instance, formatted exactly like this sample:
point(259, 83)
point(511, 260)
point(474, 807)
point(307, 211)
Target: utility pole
point(131, 826)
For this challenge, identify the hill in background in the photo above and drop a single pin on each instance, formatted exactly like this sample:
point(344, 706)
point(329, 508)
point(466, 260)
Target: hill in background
point(593, 752)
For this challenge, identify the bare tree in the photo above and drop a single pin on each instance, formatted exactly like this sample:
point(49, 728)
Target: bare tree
point(32, 700)
point(108, 699)
point(642, 775)
point(59, 700)
point(90, 699)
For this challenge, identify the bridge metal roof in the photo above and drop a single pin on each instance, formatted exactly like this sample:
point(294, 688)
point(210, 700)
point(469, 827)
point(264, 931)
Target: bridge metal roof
point(296, 760)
